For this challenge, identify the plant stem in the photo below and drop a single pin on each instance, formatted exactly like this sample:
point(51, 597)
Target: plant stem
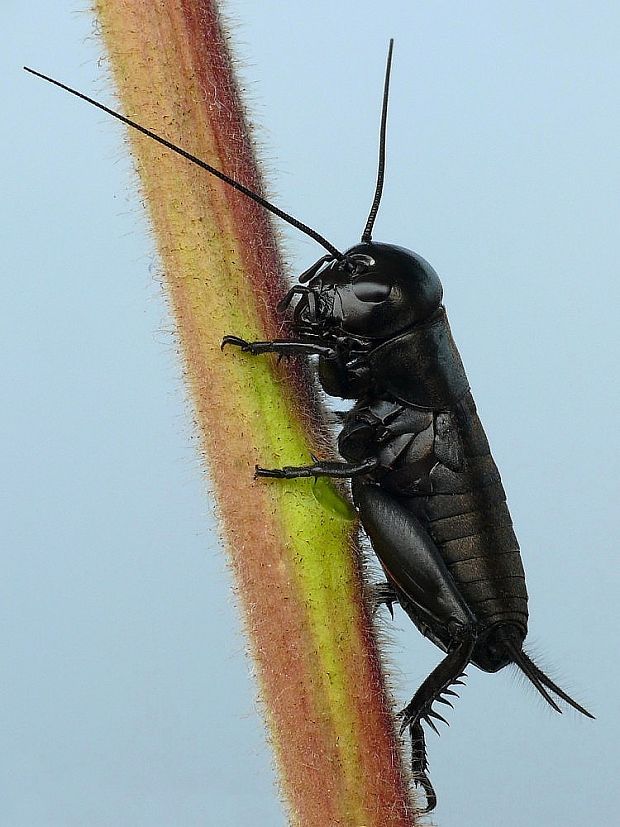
point(291, 545)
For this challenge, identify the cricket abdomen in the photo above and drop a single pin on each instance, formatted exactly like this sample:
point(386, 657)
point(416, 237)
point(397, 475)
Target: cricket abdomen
point(468, 518)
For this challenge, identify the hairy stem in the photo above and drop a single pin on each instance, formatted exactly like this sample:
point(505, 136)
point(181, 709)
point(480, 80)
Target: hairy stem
point(290, 542)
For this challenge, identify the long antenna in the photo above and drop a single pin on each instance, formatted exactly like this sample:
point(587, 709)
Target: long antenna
point(202, 164)
point(367, 234)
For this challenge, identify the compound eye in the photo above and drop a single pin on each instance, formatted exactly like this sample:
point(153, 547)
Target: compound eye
point(356, 264)
point(371, 290)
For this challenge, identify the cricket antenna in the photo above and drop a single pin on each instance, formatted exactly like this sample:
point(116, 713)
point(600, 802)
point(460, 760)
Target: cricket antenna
point(367, 234)
point(202, 164)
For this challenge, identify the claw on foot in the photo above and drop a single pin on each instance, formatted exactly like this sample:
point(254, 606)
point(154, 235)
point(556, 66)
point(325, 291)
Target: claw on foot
point(419, 766)
point(237, 342)
point(423, 781)
point(278, 473)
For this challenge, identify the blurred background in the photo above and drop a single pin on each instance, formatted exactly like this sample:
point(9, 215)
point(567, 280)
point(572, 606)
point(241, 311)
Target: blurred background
point(126, 697)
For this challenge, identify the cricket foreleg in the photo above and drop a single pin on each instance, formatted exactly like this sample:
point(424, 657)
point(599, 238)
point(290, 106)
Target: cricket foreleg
point(320, 468)
point(283, 347)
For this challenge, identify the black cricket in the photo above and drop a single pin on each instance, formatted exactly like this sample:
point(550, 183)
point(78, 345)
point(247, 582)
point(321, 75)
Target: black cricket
point(423, 480)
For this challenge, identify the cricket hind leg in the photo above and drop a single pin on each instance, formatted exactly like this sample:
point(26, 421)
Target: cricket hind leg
point(430, 596)
point(435, 689)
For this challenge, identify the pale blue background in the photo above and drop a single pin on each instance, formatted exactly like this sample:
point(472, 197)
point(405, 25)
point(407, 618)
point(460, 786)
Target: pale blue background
point(125, 697)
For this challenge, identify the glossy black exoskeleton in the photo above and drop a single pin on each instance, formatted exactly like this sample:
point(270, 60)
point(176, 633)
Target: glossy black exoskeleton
point(423, 480)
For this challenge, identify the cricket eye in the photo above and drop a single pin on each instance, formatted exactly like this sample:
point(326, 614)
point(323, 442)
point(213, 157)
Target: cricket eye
point(357, 264)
